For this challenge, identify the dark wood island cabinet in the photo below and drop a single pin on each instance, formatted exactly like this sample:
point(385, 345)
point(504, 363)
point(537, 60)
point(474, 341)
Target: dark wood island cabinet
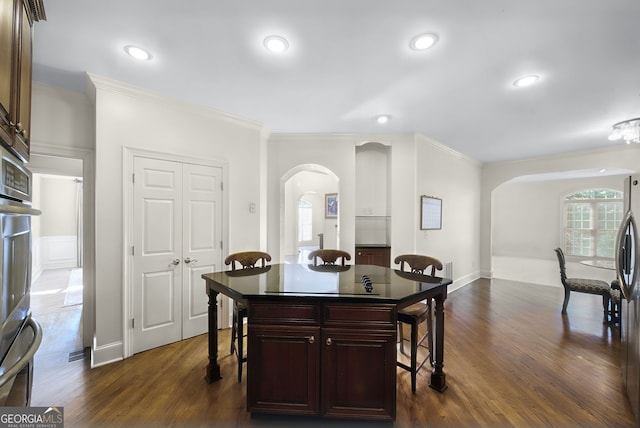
point(340, 359)
point(379, 255)
point(320, 342)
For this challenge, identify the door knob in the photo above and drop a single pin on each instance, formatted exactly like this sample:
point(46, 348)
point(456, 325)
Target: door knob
point(176, 262)
point(329, 342)
point(188, 260)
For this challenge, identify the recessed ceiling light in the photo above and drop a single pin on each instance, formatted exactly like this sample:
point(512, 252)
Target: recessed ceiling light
point(525, 81)
point(423, 41)
point(276, 44)
point(383, 118)
point(138, 53)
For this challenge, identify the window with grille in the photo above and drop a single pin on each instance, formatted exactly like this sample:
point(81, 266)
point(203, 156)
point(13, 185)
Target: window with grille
point(305, 220)
point(591, 221)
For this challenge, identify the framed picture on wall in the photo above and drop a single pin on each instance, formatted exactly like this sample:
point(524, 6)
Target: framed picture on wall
point(430, 213)
point(331, 205)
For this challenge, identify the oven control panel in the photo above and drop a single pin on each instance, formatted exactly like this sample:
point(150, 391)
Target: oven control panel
point(15, 178)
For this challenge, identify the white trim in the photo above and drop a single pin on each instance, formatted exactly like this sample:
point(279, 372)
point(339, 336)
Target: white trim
point(446, 149)
point(88, 188)
point(488, 274)
point(105, 354)
point(128, 156)
point(57, 252)
point(283, 181)
point(121, 88)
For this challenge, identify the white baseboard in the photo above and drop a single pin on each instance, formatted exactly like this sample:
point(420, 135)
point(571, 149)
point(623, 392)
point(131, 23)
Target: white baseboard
point(106, 354)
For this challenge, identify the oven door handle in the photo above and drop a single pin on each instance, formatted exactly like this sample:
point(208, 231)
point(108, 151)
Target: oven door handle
point(19, 210)
point(24, 359)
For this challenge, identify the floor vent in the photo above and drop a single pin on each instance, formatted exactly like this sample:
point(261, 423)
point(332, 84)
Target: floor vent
point(80, 354)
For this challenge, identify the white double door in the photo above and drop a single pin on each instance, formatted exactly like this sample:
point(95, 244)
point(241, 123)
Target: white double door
point(176, 238)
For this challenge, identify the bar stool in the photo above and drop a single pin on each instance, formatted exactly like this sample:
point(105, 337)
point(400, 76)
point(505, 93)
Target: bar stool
point(247, 260)
point(417, 314)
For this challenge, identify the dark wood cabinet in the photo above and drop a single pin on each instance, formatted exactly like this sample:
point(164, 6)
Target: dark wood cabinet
point(372, 255)
point(283, 373)
point(322, 359)
point(359, 370)
point(16, 37)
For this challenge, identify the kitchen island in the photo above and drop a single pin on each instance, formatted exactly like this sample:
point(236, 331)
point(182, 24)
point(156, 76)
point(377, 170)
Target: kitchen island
point(322, 339)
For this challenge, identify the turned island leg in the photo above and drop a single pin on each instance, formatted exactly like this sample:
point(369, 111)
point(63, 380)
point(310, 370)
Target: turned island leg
point(213, 368)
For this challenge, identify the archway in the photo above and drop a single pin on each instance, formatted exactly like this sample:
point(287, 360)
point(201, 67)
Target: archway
point(307, 185)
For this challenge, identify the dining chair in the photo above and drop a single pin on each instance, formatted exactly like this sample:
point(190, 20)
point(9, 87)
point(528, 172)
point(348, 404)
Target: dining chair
point(246, 260)
point(582, 285)
point(417, 314)
point(329, 257)
point(615, 313)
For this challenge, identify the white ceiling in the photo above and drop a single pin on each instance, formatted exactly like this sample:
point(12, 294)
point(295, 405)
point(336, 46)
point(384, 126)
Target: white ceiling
point(349, 60)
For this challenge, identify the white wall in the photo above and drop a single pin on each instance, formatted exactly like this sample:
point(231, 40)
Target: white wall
point(58, 224)
point(60, 118)
point(528, 224)
point(373, 179)
point(333, 154)
point(418, 166)
point(619, 158)
point(62, 128)
point(129, 117)
point(454, 178)
point(313, 185)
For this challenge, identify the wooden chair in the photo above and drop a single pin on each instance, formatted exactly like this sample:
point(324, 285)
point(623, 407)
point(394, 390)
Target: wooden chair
point(329, 257)
point(615, 314)
point(246, 260)
point(581, 285)
point(417, 314)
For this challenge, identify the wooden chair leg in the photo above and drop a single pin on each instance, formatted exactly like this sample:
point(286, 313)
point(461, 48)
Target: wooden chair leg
point(240, 346)
point(401, 336)
point(566, 300)
point(414, 355)
point(605, 306)
point(430, 333)
point(234, 323)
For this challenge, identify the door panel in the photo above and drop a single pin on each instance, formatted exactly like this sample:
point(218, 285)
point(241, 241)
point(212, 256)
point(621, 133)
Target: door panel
point(157, 295)
point(177, 235)
point(201, 246)
point(157, 257)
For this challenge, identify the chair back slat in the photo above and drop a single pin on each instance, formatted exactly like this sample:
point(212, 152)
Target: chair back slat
point(329, 257)
point(562, 263)
point(247, 259)
point(417, 263)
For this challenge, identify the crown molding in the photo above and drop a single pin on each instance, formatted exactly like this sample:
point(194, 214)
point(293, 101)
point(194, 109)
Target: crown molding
point(96, 82)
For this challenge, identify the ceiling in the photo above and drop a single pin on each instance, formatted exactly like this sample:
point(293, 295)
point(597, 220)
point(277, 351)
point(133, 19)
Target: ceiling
point(349, 60)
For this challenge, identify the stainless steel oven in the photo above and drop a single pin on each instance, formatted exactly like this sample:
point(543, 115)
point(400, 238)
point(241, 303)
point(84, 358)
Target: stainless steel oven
point(20, 335)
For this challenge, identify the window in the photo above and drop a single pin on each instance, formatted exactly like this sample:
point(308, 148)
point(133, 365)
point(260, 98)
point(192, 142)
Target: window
point(305, 220)
point(591, 222)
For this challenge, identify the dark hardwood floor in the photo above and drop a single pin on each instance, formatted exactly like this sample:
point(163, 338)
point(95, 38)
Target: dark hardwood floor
point(511, 359)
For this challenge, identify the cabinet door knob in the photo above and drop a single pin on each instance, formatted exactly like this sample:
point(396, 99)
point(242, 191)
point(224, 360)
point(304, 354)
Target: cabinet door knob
point(176, 262)
point(329, 342)
point(312, 339)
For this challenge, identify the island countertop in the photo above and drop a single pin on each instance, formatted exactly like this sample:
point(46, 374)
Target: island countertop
point(346, 283)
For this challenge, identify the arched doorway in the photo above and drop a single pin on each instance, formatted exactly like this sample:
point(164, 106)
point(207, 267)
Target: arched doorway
point(304, 220)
